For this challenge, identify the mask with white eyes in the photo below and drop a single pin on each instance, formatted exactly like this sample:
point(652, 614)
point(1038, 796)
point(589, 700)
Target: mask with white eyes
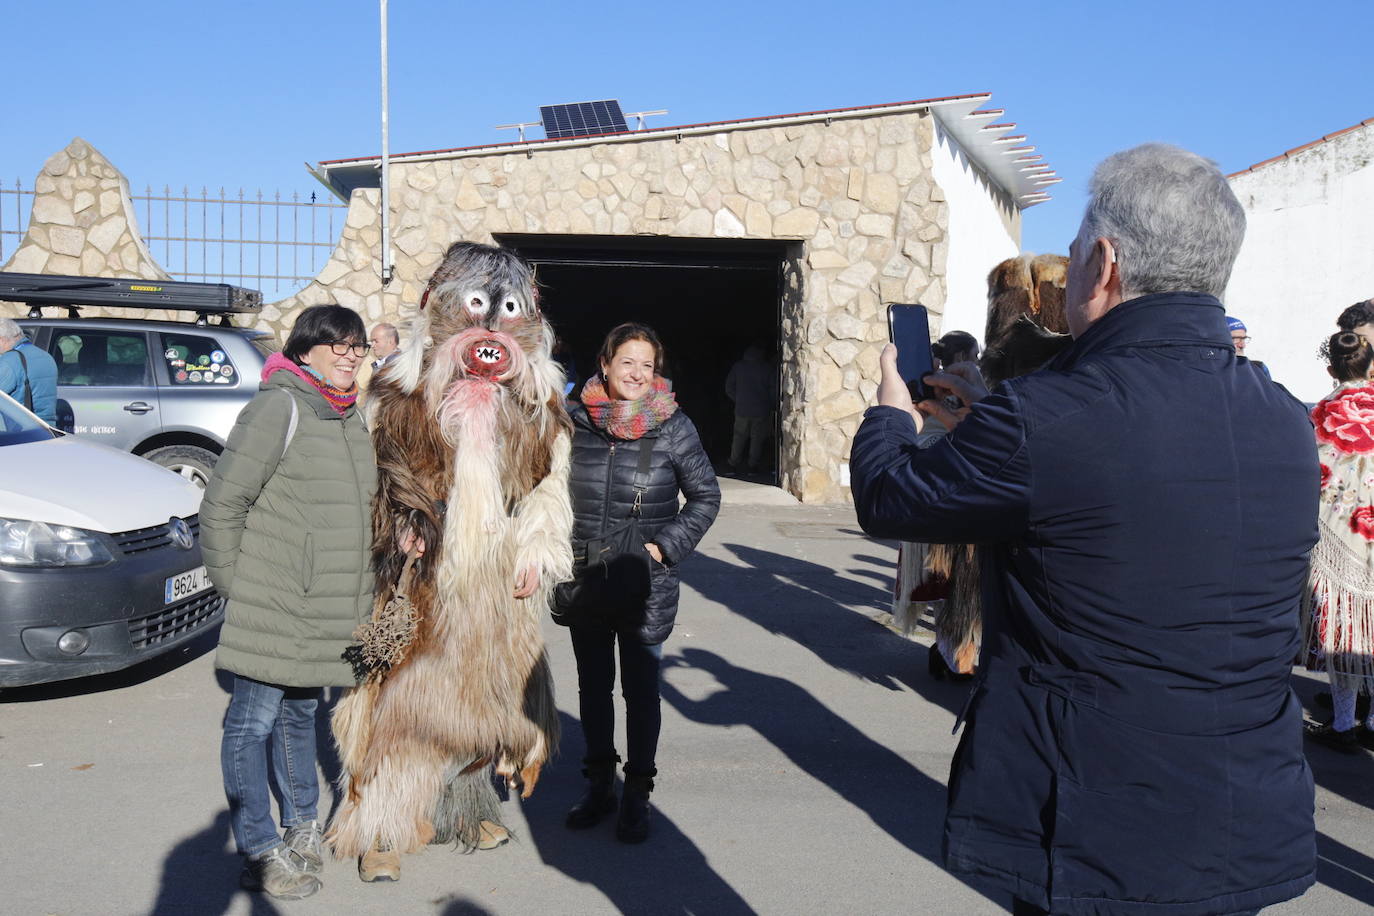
point(475, 301)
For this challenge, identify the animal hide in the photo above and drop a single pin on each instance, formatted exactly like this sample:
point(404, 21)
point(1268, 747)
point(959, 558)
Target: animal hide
point(473, 447)
point(1026, 285)
point(1026, 328)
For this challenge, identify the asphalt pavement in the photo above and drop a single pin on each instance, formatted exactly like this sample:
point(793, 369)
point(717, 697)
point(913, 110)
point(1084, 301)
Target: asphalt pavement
point(802, 770)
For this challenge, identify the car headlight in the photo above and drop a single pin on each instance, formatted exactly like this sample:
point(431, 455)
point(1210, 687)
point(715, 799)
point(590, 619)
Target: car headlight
point(26, 543)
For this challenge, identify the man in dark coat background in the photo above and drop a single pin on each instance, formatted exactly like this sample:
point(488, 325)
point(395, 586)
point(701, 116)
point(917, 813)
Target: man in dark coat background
point(1146, 503)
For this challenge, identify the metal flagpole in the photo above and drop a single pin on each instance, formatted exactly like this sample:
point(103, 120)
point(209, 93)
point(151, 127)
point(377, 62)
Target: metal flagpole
point(387, 263)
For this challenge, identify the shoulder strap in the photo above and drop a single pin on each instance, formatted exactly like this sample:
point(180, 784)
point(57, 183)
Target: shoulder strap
point(28, 389)
point(646, 453)
point(291, 426)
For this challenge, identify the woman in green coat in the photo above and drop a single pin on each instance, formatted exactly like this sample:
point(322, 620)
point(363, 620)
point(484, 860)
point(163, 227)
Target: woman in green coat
point(285, 531)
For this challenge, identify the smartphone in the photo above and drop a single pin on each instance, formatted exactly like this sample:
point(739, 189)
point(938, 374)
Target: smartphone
point(908, 326)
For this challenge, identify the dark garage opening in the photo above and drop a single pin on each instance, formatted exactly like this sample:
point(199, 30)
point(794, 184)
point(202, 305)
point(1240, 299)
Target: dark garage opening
point(708, 299)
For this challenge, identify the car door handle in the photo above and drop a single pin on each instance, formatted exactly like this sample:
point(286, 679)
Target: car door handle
point(139, 407)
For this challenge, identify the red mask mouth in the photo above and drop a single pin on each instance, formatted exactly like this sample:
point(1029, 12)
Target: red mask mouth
point(486, 358)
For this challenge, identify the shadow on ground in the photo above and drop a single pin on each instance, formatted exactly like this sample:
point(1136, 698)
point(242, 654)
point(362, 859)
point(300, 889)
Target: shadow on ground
point(200, 876)
point(799, 600)
point(1346, 870)
point(634, 879)
point(898, 798)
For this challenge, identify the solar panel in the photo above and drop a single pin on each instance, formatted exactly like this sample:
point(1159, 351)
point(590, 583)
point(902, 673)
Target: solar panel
point(582, 119)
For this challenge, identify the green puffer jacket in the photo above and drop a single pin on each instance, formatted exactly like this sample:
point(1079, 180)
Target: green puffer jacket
point(287, 536)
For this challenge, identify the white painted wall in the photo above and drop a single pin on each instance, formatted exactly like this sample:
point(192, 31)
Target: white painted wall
point(978, 235)
point(1308, 253)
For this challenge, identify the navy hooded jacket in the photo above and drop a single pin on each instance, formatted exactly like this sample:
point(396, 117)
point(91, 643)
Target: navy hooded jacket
point(1145, 506)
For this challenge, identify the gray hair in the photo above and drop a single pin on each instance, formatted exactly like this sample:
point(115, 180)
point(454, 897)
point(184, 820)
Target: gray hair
point(1171, 216)
point(10, 329)
point(391, 331)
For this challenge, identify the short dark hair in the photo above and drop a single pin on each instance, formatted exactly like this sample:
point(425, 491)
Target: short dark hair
point(1349, 355)
point(323, 324)
point(1356, 315)
point(631, 330)
point(954, 343)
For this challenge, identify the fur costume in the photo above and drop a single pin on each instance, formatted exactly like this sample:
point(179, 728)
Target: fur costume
point(473, 448)
point(1031, 285)
point(1026, 328)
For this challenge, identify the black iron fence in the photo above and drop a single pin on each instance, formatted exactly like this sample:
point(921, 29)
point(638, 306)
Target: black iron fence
point(265, 242)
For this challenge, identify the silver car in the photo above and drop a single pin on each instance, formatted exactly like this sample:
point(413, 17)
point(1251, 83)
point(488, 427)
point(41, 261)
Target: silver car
point(166, 390)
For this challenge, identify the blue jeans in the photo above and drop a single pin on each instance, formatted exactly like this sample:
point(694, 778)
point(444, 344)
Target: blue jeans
point(594, 647)
point(285, 715)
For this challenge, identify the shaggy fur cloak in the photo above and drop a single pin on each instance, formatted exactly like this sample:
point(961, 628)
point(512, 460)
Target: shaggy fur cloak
point(473, 450)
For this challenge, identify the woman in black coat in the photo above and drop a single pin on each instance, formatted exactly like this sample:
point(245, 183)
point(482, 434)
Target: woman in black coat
point(626, 408)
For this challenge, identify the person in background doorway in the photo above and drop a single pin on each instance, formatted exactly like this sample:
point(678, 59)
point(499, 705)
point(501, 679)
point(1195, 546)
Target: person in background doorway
point(752, 384)
point(27, 374)
point(1338, 607)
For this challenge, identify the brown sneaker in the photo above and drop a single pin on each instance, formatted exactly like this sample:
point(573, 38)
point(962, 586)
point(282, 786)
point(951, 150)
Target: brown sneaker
point(276, 873)
point(378, 864)
point(493, 835)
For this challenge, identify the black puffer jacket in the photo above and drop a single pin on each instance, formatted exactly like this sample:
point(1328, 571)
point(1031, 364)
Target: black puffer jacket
point(602, 486)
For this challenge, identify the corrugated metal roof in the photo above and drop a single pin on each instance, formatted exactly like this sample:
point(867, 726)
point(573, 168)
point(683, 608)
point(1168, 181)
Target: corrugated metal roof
point(986, 141)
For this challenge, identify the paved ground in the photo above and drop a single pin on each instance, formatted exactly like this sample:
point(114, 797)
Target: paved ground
point(803, 762)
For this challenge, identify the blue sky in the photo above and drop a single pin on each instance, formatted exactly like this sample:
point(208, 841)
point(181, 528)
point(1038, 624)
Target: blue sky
point(240, 94)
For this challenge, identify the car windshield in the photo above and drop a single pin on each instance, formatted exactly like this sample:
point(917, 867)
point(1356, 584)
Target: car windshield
point(18, 426)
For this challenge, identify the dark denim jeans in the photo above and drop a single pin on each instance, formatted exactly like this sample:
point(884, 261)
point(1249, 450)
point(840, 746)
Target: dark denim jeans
point(594, 647)
point(285, 715)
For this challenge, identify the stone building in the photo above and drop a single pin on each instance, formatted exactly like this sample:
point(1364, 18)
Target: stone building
point(1306, 256)
point(793, 231)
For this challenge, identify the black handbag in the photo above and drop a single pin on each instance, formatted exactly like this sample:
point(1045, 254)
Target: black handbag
point(611, 576)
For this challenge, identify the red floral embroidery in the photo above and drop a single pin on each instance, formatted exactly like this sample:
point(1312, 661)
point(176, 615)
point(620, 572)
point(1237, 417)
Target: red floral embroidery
point(1347, 420)
point(1326, 475)
point(1362, 522)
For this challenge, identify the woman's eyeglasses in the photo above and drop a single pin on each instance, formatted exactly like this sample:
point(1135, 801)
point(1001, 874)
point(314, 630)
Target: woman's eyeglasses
point(342, 347)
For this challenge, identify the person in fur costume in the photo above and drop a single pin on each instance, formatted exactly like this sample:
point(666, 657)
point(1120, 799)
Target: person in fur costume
point(471, 531)
point(1338, 606)
point(1026, 328)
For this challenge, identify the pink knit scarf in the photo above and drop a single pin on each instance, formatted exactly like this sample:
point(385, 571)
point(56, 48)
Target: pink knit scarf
point(337, 398)
point(628, 419)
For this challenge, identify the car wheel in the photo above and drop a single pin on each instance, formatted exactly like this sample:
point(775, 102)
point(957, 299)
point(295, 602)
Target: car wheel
point(190, 461)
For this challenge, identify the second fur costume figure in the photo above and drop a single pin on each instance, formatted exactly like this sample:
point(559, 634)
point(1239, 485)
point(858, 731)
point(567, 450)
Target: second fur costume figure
point(472, 449)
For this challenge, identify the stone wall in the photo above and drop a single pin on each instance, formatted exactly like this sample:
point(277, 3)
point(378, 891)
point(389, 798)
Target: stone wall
point(855, 193)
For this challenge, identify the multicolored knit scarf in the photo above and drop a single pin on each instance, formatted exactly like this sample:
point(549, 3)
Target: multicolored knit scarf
point(337, 398)
point(628, 419)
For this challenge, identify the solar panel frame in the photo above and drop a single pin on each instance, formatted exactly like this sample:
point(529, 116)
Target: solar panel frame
point(582, 119)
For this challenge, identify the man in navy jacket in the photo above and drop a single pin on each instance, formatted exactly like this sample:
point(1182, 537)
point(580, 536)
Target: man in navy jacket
point(1144, 507)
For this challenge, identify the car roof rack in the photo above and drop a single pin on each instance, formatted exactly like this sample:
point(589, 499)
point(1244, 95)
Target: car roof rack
point(39, 291)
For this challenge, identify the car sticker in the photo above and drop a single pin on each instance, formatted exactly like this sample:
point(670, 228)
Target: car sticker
point(227, 371)
point(221, 380)
point(171, 353)
point(181, 375)
point(177, 363)
point(203, 360)
point(217, 356)
point(195, 376)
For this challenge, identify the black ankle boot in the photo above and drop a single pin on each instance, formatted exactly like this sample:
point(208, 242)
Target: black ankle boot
point(633, 824)
point(599, 799)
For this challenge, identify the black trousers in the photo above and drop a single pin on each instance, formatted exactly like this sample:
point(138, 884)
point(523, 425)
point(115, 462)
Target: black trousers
point(595, 650)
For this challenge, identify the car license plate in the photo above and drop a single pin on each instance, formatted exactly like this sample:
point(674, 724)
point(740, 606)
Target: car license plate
point(186, 585)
